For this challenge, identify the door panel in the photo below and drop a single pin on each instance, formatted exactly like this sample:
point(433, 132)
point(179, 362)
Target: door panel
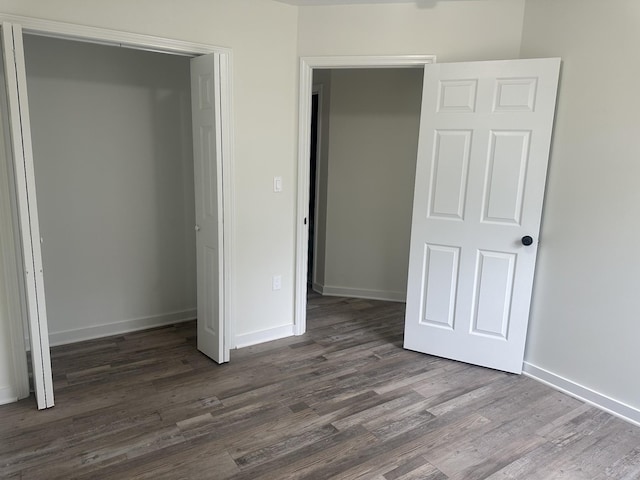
point(24, 173)
point(507, 166)
point(449, 179)
point(492, 298)
point(440, 271)
point(205, 106)
point(484, 142)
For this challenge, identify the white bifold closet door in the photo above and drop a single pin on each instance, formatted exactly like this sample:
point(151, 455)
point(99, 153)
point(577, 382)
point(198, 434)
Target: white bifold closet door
point(207, 82)
point(25, 186)
point(207, 152)
point(483, 149)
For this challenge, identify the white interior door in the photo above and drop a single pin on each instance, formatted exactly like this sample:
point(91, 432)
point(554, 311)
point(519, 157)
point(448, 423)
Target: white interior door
point(18, 106)
point(485, 132)
point(207, 135)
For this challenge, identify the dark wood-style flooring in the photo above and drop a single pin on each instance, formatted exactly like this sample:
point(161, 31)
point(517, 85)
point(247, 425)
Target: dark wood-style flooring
point(344, 401)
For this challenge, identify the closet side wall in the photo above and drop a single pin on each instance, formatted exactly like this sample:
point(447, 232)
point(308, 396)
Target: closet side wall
point(114, 173)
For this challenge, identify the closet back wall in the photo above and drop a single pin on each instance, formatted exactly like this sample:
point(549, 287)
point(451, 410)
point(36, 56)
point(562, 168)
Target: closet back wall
point(114, 175)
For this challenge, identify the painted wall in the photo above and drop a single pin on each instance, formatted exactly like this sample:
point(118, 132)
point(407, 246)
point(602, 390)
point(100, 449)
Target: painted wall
point(453, 30)
point(584, 324)
point(373, 140)
point(113, 158)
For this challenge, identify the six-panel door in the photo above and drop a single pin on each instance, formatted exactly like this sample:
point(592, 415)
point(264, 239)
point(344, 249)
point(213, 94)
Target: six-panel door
point(482, 159)
point(206, 125)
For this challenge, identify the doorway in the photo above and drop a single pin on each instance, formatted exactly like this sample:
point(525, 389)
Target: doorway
point(113, 158)
point(321, 65)
point(216, 87)
point(505, 107)
point(310, 65)
point(366, 174)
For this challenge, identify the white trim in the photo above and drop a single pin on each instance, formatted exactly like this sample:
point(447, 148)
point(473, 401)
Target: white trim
point(318, 288)
point(228, 199)
point(302, 210)
point(261, 336)
point(15, 76)
point(586, 394)
point(8, 395)
point(307, 64)
point(123, 326)
point(387, 296)
point(70, 31)
point(40, 323)
point(370, 61)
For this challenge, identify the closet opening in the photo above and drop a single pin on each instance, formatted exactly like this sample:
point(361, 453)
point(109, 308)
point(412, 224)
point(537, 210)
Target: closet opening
point(130, 151)
point(113, 157)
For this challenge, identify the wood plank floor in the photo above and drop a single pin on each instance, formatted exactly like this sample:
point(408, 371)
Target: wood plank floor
point(344, 401)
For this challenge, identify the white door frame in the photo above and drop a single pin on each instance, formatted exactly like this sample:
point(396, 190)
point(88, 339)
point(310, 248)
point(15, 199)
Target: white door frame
point(22, 166)
point(307, 65)
point(155, 44)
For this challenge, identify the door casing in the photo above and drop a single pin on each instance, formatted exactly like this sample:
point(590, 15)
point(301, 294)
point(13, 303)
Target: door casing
point(11, 252)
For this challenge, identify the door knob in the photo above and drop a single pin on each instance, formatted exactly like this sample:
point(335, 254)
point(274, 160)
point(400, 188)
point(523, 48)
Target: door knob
point(527, 240)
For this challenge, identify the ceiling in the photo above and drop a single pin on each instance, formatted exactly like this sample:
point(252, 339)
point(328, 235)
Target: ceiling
point(339, 2)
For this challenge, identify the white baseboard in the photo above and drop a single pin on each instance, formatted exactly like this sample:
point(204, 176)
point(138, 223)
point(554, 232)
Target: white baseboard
point(7, 395)
point(117, 328)
point(388, 296)
point(317, 287)
point(253, 338)
point(608, 404)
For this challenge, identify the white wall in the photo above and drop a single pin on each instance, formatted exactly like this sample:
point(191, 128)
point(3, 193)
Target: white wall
point(373, 139)
point(453, 30)
point(113, 158)
point(585, 322)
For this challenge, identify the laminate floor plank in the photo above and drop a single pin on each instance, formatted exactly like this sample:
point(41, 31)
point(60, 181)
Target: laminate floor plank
point(344, 401)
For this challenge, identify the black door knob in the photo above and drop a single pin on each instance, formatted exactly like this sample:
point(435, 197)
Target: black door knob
point(527, 240)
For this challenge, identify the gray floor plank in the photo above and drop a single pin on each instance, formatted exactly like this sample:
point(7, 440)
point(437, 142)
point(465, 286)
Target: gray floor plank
point(344, 401)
